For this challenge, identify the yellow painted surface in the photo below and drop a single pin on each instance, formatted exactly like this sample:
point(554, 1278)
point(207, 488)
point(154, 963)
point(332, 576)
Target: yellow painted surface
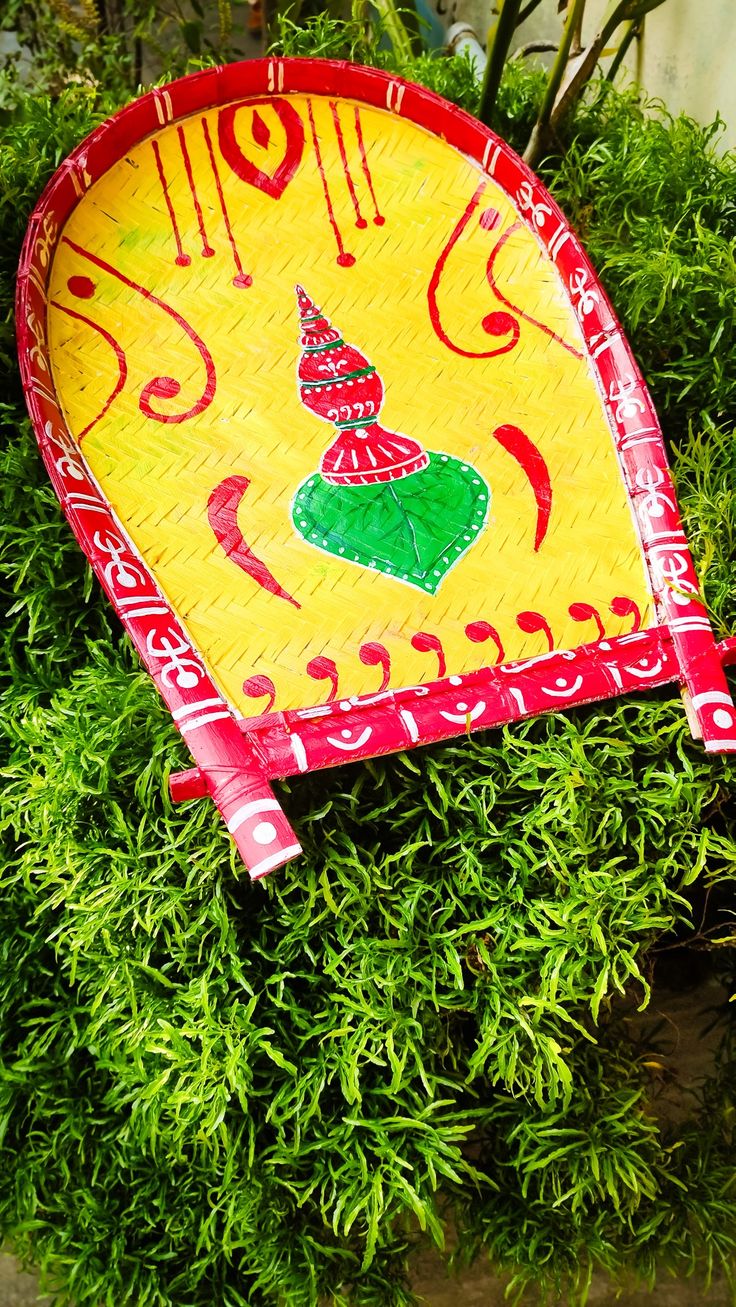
point(158, 476)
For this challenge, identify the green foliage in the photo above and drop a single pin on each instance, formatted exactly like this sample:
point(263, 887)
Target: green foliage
point(215, 1093)
point(111, 44)
point(657, 210)
point(322, 37)
point(325, 38)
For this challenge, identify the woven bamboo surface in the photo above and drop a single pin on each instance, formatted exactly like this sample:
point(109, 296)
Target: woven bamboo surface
point(178, 264)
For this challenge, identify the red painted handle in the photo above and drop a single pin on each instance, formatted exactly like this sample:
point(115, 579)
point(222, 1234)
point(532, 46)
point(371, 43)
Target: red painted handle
point(254, 818)
point(188, 784)
point(262, 834)
point(235, 778)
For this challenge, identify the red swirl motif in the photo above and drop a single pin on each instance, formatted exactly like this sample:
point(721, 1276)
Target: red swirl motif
point(491, 278)
point(495, 323)
point(114, 346)
point(162, 387)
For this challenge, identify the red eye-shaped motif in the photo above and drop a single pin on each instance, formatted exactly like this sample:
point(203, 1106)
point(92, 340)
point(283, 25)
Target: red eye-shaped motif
point(346, 743)
point(645, 669)
point(563, 689)
point(464, 712)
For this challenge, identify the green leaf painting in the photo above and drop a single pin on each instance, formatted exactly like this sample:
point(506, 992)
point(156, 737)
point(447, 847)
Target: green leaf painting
point(414, 529)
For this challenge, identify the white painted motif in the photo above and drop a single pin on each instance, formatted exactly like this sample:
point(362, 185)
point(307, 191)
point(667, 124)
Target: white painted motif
point(180, 665)
point(464, 712)
point(120, 570)
point(583, 296)
point(656, 501)
point(626, 396)
point(538, 212)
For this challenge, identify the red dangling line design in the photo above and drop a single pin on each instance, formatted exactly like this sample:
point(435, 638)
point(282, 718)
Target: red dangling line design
point(343, 258)
point(207, 250)
point(359, 219)
point(241, 279)
point(183, 260)
point(378, 218)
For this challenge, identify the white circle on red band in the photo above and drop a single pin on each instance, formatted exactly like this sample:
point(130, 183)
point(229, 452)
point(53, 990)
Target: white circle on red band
point(264, 833)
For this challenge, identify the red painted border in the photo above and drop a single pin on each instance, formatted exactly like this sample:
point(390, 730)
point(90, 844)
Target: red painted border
point(234, 762)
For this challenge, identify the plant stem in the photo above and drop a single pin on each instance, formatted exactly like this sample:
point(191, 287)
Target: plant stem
point(498, 49)
point(361, 17)
point(395, 29)
point(630, 33)
point(624, 11)
point(557, 71)
point(541, 128)
point(527, 10)
point(410, 17)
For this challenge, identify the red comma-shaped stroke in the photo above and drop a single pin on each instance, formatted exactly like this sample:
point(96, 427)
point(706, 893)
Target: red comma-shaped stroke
point(479, 632)
point(623, 607)
point(532, 463)
point(377, 655)
point(531, 623)
point(423, 642)
point(243, 167)
point(324, 669)
point(222, 514)
point(587, 613)
point(257, 686)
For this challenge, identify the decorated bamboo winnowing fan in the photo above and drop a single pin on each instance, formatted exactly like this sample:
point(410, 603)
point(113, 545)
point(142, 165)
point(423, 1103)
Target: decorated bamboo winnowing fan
point(340, 414)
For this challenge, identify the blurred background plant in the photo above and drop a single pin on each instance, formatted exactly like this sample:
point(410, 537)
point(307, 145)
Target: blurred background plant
point(115, 42)
point(574, 59)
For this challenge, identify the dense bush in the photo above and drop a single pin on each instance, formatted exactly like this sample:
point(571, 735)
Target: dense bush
point(220, 1094)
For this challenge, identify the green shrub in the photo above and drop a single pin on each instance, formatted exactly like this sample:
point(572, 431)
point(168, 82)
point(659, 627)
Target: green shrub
point(220, 1094)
